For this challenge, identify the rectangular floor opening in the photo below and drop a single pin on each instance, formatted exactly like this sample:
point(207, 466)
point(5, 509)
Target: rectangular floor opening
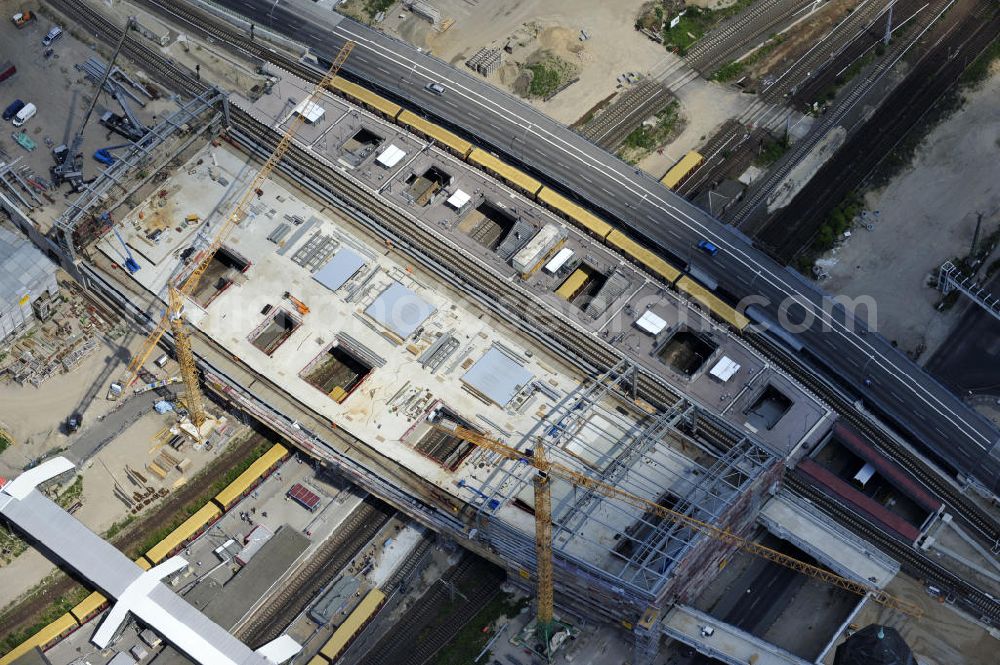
point(422, 188)
point(443, 447)
point(581, 285)
point(362, 144)
point(225, 267)
point(488, 224)
point(768, 408)
point(276, 329)
point(337, 372)
point(686, 351)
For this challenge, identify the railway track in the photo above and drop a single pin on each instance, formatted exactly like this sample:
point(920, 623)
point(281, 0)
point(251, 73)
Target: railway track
point(864, 42)
point(414, 639)
point(612, 126)
point(791, 230)
point(731, 148)
point(960, 506)
point(211, 26)
point(450, 262)
point(516, 305)
point(824, 51)
point(279, 611)
point(500, 296)
point(979, 603)
point(179, 78)
point(738, 216)
point(736, 35)
point(409, 565)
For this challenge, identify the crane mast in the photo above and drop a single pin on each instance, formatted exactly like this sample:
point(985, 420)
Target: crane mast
point(543, 551)
point(548, 469)
point(186, 285)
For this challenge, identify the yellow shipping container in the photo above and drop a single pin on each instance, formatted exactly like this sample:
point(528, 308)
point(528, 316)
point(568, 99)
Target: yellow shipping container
point(682, 169)
point(236, 489)
point(440, 135)
point(708, 299)
point(631, 249)
point(51, 633)
point(177, 538)
point(366, 98)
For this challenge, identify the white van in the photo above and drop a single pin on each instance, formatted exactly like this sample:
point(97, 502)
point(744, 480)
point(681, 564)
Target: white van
point(52, 35)
point(24, 115)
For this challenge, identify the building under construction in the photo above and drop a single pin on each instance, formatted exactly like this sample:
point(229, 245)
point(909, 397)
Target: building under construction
point(386, 352)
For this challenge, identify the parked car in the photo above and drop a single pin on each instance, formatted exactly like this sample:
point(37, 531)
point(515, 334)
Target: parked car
point(24, 115)
point(708, 247)
point(22, 19)
point(436, 88)
point(12, 109)
point(53, 34)
point(74, 422)
point(7, 70)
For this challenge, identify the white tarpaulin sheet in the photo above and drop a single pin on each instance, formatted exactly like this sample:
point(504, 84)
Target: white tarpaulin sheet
point(391, 156)
point(725, 369)
point(458, 199)
point(651, 323)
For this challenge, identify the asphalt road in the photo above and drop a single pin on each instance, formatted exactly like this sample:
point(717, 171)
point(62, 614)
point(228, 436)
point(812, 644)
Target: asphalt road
point(969, 360)
point(838, 343)
point(95, 435)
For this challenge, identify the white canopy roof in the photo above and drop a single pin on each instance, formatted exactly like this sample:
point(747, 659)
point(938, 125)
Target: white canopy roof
point(725, 369)
point(458, 199)
point(651, 323)
point(309, 110)
point(559, 260)
point(391, 156)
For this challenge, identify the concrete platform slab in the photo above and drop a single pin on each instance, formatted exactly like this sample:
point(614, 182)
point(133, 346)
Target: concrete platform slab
point(726, 643)
point(812, 532)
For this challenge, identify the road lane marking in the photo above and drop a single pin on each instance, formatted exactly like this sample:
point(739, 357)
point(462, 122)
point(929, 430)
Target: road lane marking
point(773, 278)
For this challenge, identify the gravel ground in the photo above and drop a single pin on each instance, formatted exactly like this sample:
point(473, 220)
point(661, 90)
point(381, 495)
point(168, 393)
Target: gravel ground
point(927, 216)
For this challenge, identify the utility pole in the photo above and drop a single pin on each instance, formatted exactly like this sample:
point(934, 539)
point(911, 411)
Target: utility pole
point(888, 25)
point(975, 238)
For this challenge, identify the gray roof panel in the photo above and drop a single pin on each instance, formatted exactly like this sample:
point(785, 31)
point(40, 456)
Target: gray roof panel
point(400, 309)
point(497, 376)
point(339, 269)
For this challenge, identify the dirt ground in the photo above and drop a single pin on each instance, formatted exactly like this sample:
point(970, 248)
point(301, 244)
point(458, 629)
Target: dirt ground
point(927, 215)
point(942, 637)
point(704, 107)
point(134, 447)
point(33, 415)
point(614, 47)
point(100, 509)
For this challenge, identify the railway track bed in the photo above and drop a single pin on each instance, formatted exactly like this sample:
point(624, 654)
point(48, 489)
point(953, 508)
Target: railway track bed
point(326, 563)
point(439, 614)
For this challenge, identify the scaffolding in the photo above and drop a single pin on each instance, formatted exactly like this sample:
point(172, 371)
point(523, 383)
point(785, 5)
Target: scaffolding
point(77, 226)
point(612, 555)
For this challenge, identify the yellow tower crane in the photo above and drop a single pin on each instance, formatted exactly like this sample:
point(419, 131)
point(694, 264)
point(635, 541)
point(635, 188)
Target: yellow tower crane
point(173, 316)
point(547, 470)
